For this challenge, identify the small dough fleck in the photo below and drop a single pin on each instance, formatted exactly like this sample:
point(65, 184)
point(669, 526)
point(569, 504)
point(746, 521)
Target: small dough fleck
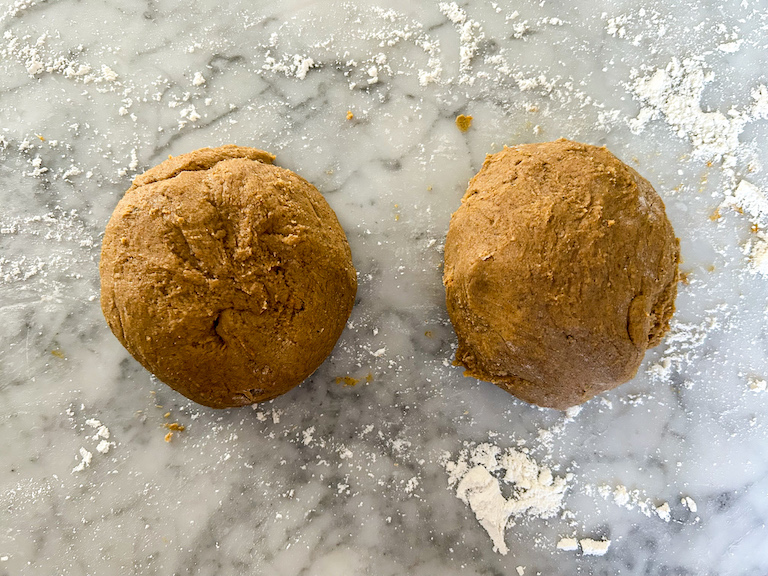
point(561, 269)
point(463, 122)
point(227, 277)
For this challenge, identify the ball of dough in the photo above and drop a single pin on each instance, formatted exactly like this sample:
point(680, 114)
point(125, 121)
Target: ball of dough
point(227, 277)
point(560, 271)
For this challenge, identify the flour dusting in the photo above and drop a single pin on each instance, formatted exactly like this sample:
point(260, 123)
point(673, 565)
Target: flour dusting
point(681, 345)
point(751, 200)
point(674, 93)
point(470, 35)
point(756, 250)
point(757, 384)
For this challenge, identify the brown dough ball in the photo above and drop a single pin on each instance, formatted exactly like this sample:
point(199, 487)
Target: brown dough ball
point(227, 277)
point(560, 271)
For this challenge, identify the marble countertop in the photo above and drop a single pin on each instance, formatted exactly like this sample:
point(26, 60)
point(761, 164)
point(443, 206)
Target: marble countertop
point(351, 472)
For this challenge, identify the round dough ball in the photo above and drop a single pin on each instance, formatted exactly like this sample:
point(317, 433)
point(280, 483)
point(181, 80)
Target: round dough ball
point(227, 277)
point(560, 271)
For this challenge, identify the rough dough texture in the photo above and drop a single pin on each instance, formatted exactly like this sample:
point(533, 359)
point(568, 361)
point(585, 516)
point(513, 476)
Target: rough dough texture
point(227, 277)
point(560, 271)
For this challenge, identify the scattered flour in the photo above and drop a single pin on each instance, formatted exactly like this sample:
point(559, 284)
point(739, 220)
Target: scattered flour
point(616, 26)
point(412, 484)
point(750, 200)
point(86, 460)
point(664, 512)
point(760, 105)
point(68, 251)
point(635, 499)
point(187, 115)
point(373, 73)
point(674, 92)
point(757, 385)
point(629, 499)
point(689, 503)
point(16, 7)
point(637, 26)
point(387, 28)
point(591, 547)
point(756, 250)
point(36, 59)
point(296, 66)
point(572, 412)
point(731, 47)
point(681, 345)
point(101, 435)
point(478, 475)
point(470, 35)
point(568, 544)
point(307, 436)
point(104, 446)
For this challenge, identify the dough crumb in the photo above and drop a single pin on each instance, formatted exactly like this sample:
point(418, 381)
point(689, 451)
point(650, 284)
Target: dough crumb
point(463, 122)
point(347, 380)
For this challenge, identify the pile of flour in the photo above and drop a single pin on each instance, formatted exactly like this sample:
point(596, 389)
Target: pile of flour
point(480, 472)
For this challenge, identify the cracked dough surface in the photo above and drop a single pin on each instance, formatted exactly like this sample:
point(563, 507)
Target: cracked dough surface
point(560, 271)
point(227, 277)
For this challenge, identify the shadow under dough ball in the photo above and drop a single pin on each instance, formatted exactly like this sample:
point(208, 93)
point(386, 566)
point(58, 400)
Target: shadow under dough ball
point(560, 271)
point(227, 277)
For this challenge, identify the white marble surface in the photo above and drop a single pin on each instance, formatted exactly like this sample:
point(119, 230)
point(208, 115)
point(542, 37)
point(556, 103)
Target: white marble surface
point(337, 479)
